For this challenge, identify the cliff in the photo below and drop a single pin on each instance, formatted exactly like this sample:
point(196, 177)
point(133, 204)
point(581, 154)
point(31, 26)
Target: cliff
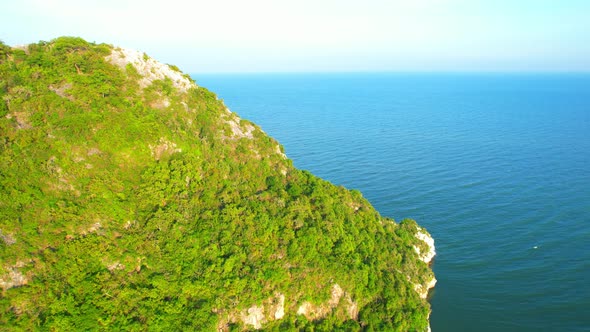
point(131, 198)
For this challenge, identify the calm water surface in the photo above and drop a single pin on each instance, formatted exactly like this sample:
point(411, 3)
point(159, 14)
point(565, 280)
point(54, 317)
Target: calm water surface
point(496, 167)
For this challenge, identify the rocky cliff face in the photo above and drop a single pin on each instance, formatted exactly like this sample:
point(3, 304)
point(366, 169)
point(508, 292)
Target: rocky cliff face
point(133, 199)
point(426, 256)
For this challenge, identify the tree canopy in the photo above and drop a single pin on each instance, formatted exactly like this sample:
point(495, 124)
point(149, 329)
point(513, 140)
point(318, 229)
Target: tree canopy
point(134, 206)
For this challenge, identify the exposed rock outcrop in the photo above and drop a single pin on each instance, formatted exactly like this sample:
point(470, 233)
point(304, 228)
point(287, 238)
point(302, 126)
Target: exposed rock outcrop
point(8, 239)
point(14, 278)
point(317, 311)
point(163, 148)
point(148, 68)
point(255, 316)
point(426, 257)
point(240, 131)
point(274, 309)
point(279, 306)
point(429, 254)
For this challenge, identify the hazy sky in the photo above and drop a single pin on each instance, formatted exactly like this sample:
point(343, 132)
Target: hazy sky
point(321, 35)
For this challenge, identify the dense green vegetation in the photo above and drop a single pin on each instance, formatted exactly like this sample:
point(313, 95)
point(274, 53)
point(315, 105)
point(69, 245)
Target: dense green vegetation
point(131, 207)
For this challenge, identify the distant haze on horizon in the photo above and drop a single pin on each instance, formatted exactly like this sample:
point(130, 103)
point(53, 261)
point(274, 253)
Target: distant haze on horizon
point(321, 36)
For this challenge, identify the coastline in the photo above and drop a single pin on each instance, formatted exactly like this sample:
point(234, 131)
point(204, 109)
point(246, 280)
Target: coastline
point(427, 258)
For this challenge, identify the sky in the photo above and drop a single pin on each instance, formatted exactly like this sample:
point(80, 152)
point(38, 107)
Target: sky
point(217, 36)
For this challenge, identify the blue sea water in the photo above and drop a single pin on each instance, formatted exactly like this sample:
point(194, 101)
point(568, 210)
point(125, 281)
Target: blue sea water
point(495, 166)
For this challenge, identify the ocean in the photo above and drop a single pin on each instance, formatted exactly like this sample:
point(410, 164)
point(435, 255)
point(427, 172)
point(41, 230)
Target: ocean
point(495, 166)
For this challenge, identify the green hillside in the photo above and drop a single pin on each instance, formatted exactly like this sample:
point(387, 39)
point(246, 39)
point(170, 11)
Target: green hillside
point(131, 199)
